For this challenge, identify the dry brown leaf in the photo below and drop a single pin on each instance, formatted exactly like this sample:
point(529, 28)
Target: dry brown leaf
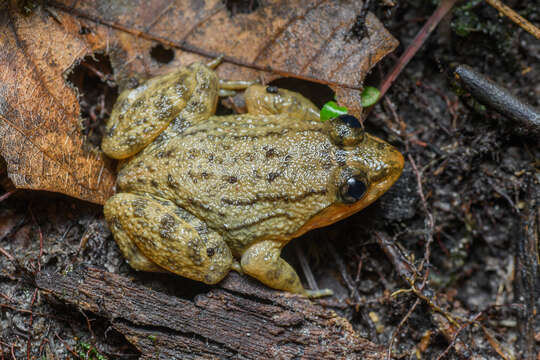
point(40, 135)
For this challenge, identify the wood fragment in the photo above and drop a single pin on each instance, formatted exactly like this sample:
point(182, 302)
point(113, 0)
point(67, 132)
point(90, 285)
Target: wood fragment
point(242, 319)
point(515, 17)
point(493, 95)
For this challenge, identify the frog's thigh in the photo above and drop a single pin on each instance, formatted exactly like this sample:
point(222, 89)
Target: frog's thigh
point(165, 239)
point(262, 261)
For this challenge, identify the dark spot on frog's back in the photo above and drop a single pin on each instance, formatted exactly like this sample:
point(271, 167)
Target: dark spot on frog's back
point(210, 252)
point(195, 107)
point(163, 108)
point(273, 274)
point(270, 153)
point(139, 206)
point(230, 179)
point(172, 183)
point(165, 154)
point(272, 176)
point(154, 183)
point(167, 226)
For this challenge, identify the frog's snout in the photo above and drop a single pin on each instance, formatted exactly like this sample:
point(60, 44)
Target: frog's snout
point(394, 162)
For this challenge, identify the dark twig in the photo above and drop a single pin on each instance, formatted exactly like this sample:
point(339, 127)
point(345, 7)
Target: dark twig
point(6, 254)
point(312, 283)
point(527, 274)
point(500, 99)
point(515, 17)
point(30, 323)
point(410, 274)
point(456, 335)
point(40, 238)
point(68, 347)
point(352, 289)
point(8, 194)
point(444, 7)
point(398, 328)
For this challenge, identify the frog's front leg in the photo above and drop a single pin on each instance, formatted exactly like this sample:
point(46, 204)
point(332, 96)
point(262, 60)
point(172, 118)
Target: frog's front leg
point(262, 261)
point(268, 100)
point(152, 236)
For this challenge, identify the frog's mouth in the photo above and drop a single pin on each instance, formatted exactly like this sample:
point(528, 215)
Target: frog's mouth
point(339, 210)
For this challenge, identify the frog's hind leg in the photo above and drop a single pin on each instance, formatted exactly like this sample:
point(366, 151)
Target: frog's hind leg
point(262, 261)
point(141, 114)
point(152, 232)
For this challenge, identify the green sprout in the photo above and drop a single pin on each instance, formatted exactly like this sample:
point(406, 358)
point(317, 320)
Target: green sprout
point(369, 96)
point(331, 110)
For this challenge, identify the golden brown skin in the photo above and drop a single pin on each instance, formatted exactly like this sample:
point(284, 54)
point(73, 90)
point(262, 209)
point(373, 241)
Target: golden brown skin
point(201, 194)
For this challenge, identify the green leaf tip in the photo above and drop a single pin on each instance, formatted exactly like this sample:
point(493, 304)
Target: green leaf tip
point(370, 95)
point(331, 110)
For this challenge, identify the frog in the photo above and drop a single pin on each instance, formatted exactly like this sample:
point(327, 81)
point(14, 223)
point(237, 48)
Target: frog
point(200, 194)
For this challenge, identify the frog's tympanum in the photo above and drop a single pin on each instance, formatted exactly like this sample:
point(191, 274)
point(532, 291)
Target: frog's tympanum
point(200, 194)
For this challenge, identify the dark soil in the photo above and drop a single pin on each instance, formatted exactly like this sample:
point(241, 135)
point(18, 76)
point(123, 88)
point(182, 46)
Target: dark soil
point(480, 181)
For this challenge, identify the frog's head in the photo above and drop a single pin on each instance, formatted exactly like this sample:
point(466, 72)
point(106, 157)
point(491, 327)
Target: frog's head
point(366, 167)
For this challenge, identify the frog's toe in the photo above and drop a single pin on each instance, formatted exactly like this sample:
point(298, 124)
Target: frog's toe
point(318, 293)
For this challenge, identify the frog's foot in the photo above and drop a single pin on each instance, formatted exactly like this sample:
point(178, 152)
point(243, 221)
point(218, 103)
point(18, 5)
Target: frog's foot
point(214, 63)
point(236, 84)
point(263, 262)
point(144, 226)
point(270, 100)
point(319, 293)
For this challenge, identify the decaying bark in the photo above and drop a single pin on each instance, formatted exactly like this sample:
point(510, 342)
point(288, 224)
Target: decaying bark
point(240, 320)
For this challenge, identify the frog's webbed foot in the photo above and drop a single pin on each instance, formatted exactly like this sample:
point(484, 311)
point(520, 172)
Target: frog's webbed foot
point(268, 100)
point(152, 236)
point(263, 262)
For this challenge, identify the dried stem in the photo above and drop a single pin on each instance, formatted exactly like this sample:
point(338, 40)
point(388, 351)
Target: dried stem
point(515, 17)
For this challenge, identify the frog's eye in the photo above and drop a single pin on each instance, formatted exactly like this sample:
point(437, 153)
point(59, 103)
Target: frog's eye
point(345, 130)
point(353, 190)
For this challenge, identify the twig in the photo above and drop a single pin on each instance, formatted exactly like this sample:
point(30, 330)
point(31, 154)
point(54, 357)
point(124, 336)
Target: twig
point(8, 194)
point(500, 99)
point(6, 254)
point(494, 343)
point(455, 337)
point(515, 17)
point(30, 322)
point(430, 222)
point(394, 333)
point(40, 238)
point(441, 11)
point(352, 289)
point(409, 274)
point(312, 283)
point(67, 347)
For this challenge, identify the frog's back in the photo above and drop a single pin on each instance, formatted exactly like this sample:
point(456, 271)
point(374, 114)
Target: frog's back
point(249, 177)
